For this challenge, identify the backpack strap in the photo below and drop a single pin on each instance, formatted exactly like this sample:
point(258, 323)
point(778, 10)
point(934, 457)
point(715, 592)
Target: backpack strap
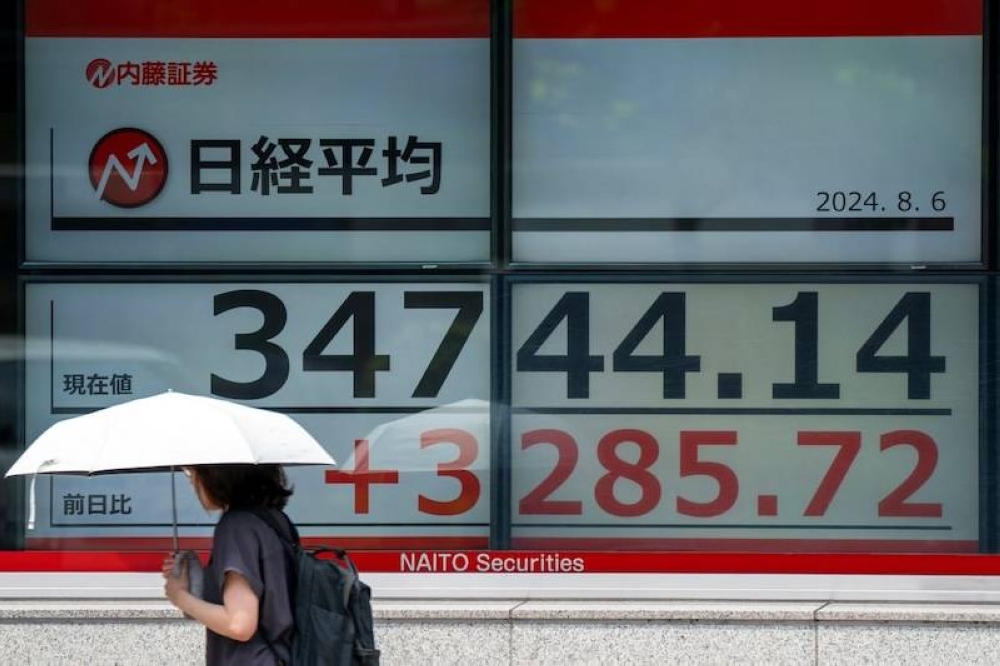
point(290, 547)
point(268, 517)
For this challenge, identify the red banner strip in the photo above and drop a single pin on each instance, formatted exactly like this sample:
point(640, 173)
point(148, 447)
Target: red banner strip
point(742, 18)
point(548, 562)
point(632, 562)
point(258, 18)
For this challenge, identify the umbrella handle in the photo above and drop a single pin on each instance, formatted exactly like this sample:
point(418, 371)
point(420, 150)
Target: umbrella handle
point(173, 502)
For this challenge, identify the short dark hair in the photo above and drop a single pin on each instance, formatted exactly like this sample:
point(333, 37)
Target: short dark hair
point(245, 486)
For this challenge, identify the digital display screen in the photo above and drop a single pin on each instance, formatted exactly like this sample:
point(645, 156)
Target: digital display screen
point(728, 132)
point(722, 416)
point(232, 132)
point(392, 378)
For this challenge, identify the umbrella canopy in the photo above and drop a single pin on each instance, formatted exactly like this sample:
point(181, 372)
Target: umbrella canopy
point(166, 431)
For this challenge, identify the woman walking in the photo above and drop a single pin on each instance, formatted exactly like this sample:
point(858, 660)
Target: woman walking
point(247, 604)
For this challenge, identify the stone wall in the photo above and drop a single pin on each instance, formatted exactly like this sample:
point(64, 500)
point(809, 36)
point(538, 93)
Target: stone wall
point(520, 632)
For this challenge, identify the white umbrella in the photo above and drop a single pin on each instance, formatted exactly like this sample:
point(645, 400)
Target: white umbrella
point(167, 431)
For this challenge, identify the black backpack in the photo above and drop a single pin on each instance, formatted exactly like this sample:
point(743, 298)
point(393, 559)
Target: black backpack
point(332, 608)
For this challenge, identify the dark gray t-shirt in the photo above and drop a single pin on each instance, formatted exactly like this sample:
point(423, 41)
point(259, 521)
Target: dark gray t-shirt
point(245, 544)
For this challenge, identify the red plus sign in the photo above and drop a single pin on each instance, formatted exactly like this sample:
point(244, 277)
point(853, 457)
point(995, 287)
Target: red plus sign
point(362, 477)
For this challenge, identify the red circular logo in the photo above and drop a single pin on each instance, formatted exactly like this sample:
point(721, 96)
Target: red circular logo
point(101, 73)
point(128, 167)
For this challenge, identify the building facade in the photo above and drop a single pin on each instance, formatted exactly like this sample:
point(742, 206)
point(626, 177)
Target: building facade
point(687, 309)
